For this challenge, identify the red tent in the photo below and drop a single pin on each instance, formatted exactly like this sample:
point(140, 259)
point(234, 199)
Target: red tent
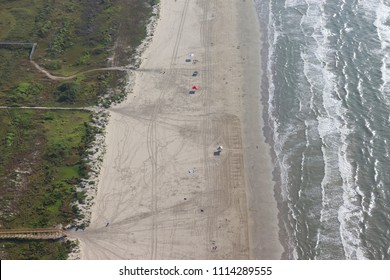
point(195, 87)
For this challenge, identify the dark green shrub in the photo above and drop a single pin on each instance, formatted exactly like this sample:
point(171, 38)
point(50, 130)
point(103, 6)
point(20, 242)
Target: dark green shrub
point(56, 152)
point(68, 91)
point(54, 65)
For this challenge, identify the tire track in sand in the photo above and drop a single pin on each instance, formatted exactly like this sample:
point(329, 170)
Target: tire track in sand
point(152, 137)
point(207, 34)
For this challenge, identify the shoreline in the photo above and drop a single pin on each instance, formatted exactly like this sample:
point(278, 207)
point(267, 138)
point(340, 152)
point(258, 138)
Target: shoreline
point(259, 163)
point(263, 14)
point(162, 193)
point(99, 145)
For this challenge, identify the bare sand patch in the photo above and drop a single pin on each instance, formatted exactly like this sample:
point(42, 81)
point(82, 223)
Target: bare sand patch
point(163, 193)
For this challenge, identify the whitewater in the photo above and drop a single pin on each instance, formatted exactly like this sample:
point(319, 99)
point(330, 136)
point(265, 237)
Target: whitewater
point(327, 96)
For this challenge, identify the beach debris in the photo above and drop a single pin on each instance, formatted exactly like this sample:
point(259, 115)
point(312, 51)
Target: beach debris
point(195, 73)
point(214, 247)
point(107, 224)
point(192, 171)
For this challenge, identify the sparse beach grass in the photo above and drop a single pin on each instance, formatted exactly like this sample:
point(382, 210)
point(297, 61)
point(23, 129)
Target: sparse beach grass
point(45, 153)
point(42, 160)
point(72, 37)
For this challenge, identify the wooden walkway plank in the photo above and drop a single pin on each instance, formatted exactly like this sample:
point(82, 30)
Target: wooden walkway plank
point(38, 233)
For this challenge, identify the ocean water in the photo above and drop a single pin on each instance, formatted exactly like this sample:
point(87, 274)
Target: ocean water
point(327, 76)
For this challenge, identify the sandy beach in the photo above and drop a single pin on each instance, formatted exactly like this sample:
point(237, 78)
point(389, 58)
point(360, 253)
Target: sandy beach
point(163, 192)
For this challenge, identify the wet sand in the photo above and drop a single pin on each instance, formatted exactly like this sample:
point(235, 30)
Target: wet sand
point(163, 192)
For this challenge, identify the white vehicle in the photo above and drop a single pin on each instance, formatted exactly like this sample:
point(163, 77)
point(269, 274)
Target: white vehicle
point(218, 151)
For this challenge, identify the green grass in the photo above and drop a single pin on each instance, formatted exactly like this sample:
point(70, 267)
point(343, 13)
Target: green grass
point(40, 167)
point(72, 37)
point(69, 172)
point(47, 148)
point(43, 152)
point(33, 250)
point(7, 23)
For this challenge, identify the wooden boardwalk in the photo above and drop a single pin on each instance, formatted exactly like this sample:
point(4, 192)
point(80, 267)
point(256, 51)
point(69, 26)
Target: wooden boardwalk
point(33, 46)
point(36, 233)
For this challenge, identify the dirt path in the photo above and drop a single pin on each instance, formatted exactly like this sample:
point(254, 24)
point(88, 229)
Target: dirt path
point(62, 78)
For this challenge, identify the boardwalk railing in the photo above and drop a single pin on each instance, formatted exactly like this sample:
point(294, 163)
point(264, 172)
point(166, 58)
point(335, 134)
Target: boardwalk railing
point(37, 233)
point(33, 46)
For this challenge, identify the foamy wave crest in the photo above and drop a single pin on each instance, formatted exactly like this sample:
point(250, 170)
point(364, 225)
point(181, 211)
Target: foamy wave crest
point(279, 140)
point(350, 213)
point(382, 23)
point(380, 11)
point(294, 3)
point(367, 7)
point(273, 35)
point(317, 56)
point(325, 89)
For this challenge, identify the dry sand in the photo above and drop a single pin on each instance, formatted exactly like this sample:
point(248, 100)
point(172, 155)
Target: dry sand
point(162, 190)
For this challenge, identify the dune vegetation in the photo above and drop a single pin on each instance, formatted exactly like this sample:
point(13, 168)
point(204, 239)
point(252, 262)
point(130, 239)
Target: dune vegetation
point(43, 153)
